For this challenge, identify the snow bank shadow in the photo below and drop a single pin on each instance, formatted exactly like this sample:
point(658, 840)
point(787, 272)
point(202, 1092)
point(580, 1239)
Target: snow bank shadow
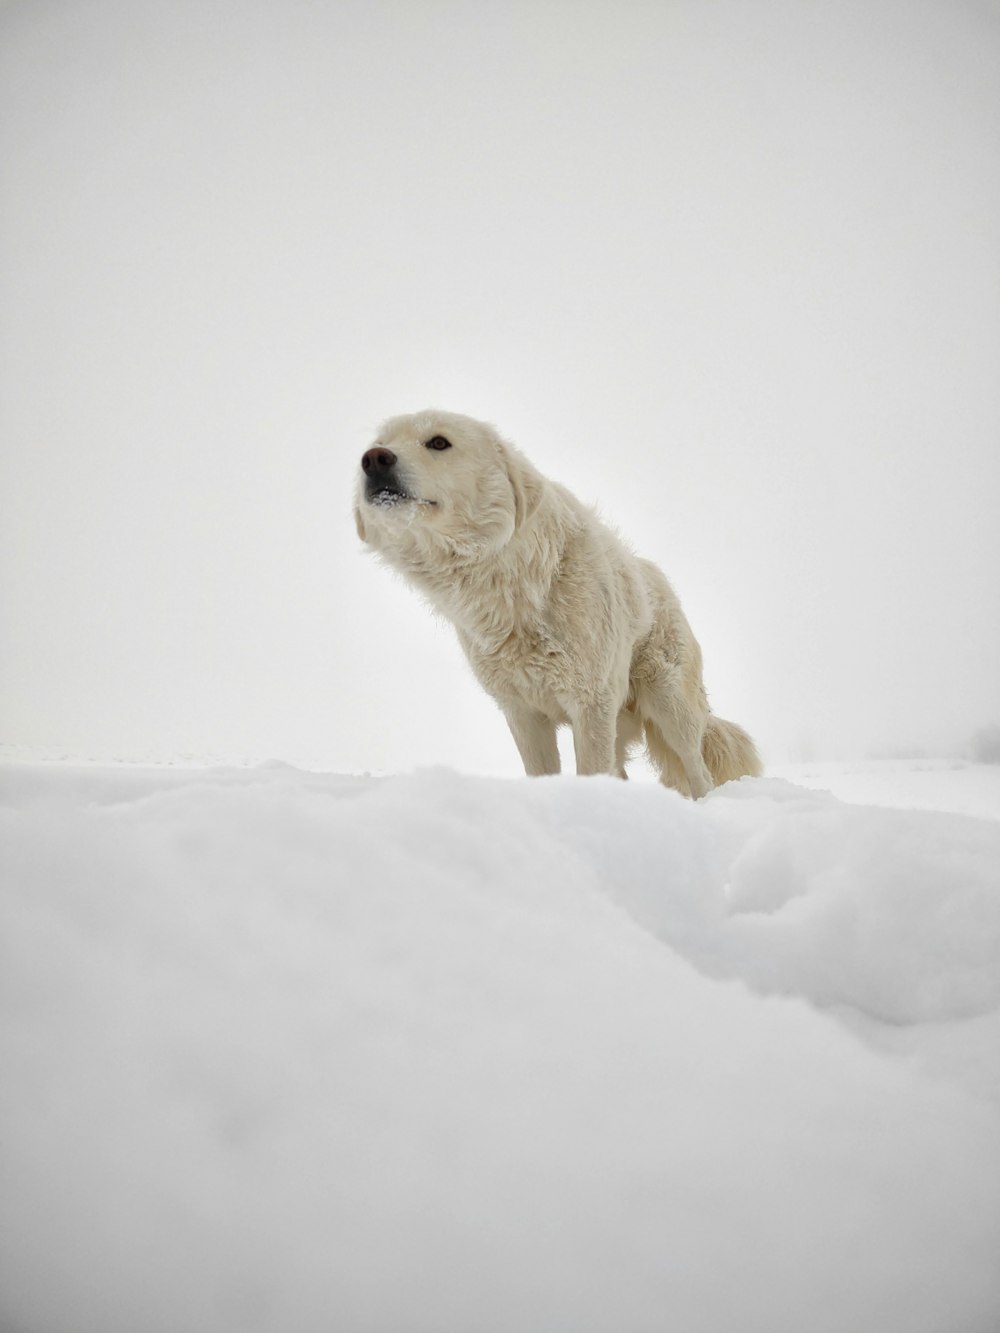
point(892, 913)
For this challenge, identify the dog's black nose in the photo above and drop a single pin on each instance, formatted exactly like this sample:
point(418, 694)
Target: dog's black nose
point(376, 461)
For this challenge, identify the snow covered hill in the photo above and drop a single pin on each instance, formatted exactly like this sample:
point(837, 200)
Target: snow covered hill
point(285, 1052)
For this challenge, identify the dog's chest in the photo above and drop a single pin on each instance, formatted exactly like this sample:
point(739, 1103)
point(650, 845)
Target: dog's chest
point(527, 664)
point(507, 617)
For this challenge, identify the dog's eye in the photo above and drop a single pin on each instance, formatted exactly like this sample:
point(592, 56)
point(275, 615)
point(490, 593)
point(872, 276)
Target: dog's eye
point(437, 442)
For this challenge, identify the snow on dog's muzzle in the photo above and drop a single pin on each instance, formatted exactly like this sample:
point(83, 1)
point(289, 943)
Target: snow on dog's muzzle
point(382, 485)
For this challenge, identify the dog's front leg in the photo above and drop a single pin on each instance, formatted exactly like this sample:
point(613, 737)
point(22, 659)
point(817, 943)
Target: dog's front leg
point(535, 738)
point(594, 737)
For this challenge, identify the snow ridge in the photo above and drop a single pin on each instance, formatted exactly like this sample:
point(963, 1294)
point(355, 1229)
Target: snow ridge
point(288, 1051)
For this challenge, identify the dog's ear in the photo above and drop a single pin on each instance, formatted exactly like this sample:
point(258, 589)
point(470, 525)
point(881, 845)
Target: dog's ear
point(359, 522)
point(524, 482)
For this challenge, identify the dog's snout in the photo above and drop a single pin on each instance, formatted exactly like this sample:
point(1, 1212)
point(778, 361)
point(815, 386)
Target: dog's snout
point(377, 460)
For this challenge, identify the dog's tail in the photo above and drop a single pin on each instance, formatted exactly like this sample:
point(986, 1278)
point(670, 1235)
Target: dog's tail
point(728, 751)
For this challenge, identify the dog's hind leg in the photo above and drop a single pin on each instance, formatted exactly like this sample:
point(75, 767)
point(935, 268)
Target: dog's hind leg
point(535, 737)
point(674, 733)
point(666, 761)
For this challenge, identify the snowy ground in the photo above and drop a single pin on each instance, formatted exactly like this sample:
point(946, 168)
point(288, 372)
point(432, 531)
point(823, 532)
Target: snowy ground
point(285, 1052)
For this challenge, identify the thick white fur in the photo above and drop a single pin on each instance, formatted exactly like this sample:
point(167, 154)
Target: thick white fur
point(561, 623)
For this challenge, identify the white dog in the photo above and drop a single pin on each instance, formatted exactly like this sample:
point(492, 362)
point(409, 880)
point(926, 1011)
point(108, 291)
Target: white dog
point(559, 620)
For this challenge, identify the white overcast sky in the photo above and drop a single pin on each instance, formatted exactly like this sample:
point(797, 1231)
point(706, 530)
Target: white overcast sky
point(729, 270)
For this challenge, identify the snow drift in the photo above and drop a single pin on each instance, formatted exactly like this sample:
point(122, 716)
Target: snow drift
point(292, 1052)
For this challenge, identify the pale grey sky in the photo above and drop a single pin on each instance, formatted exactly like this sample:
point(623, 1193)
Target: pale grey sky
point(727, 268)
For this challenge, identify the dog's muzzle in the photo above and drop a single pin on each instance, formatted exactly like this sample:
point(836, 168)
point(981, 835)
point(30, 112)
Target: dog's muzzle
point(381, 482)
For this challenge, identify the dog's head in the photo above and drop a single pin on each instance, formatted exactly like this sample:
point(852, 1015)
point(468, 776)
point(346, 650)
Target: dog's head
point(438, 479)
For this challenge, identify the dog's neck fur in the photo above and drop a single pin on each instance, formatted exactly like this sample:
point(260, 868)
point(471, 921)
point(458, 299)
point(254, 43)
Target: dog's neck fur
point(482, 591)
